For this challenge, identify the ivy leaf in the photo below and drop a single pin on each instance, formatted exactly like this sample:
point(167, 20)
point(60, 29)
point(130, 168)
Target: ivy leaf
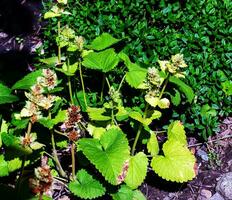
point(137, 170)
point(107, 154)
point(152, 144)
point(97, 114)
point(177, 164)
point(126, 193)
point(103, 41)
point(105, 60)
point(183, 87)
point(176, 132)
point(6, 96)
point(176, 99)
point(27, 81)
point(86, 186)
point(3, 167)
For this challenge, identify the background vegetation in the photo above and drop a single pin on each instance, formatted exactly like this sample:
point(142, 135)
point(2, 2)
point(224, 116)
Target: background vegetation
point(155, 30)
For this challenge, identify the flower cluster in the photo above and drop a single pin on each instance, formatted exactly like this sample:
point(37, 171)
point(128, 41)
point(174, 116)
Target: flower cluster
point(71, 126)
point(154, 77)
point(174, 65)
point(37, 100)
point(42, 180)
point(68, 39)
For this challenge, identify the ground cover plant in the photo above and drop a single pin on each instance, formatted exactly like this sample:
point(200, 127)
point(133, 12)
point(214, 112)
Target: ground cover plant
point(110, 142)
point(153, 30)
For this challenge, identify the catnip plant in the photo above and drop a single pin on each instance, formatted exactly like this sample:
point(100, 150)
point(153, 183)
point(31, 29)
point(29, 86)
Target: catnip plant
point(62, 108)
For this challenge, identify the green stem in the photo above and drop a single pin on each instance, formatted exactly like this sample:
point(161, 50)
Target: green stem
point(69, 84)
point(82, 84)
point(164, 87)
point(103, 85)
point(120, 85)
point(139, 131)
point(56, 159)
point(73, 160)
point(59, 49)
point(112, 116)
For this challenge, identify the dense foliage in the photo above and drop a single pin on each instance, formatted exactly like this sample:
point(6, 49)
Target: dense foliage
point(154, 30)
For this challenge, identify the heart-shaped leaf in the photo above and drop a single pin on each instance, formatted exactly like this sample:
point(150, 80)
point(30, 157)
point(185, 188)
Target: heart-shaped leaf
point(176, 132)
point(107, 154)
point(105, 60)
point(137, 170)
point(86, 186)
point(177, 164)
point(103, 41)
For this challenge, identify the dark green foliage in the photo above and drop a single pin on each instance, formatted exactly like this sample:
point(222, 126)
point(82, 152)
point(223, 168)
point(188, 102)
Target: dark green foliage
point(198, 29)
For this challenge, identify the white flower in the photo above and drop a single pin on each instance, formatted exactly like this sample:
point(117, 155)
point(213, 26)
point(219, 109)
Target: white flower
point(178, 60)
point(163, 64)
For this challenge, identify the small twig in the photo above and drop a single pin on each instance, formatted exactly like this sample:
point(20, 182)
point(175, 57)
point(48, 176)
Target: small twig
point(211, 141)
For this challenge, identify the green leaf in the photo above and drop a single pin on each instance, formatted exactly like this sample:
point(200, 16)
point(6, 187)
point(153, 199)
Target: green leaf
point(176, 99)
point(227, 87)
point(3, 167)
point(96, 132)
point(16, 164)
point(183, 87)
point(145, 121)
point(97, 114)
point(103, 41)
point(152, 144)
point(6, 96)
point(126, 193)
point(79, 96)
point(177, 164)
point(105, 60)
point(176, 132)
point(137, 170)
point(107, 154)
point(51, 14)
point(85, 186)
point(27, 81)
point(51, 62)
point(3, 129)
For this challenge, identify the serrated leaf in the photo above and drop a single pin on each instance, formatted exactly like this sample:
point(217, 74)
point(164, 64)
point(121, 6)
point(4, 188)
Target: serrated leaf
point(86, 186)
point(137, 170)
point(176, 132)
point(153, 145)
point(16, 164)
point(51, 14)
point(176, 99)
point(97, 114)
point(103, 41)
point(126, 193)
point(96, 132)
point(122, 113)
point(107, 154)
point(145, 121)
point(136, 74)
point(177, 164)
point(27, 81)
point(3, 167)
point(105, 60)
point(6, 96)
point(153, 101)
point(52, 61)
point(183, 87)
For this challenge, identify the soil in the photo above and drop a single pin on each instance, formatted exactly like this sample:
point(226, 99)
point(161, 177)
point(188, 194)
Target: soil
point(19, 39)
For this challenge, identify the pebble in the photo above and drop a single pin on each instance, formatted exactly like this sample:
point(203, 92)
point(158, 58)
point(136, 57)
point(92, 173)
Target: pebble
point(224, 186)
point(205, 195)
point(216, 196)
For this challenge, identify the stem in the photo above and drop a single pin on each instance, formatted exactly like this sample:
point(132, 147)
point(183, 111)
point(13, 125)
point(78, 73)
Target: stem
point(164, 87)
point(120, 85)
point(103, 85)
point(59, 49)
point(41, 196)
point(112, 116)
point(56, 159)
point(69, 84)
point(73, 160)
point(139, 131)
point(82, 84)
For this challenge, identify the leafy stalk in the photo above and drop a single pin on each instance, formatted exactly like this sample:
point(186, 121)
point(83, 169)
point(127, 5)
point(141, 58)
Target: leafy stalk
point(139, 131)
point(73, 160)
point(82, 84)
point(69, 84)
point(59, 48)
